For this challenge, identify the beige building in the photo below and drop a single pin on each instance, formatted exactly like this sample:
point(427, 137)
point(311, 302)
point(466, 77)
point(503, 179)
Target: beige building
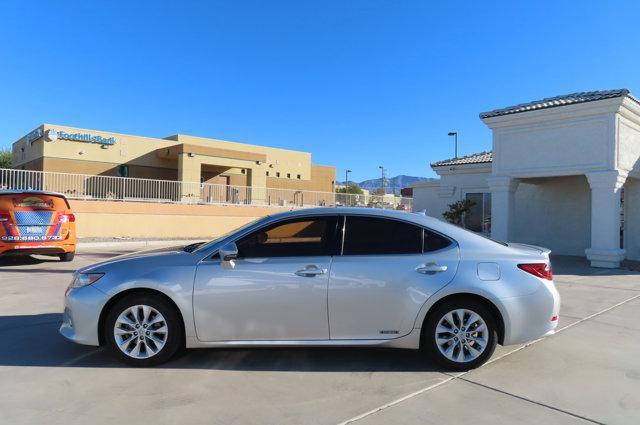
point(56, 148)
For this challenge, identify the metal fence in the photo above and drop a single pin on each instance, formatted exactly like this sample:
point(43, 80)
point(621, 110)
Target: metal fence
point(85, 186)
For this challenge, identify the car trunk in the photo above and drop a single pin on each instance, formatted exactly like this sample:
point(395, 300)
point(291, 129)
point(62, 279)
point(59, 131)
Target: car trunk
point(32, 218)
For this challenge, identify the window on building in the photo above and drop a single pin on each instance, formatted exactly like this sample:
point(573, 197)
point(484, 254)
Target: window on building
point(267, 174)
point(300, 237)
point(277, 173)
point(298, 176)
point(243, 171)
point(379, 236)
point(123, 171)
point(288, 175)
point(479, 218)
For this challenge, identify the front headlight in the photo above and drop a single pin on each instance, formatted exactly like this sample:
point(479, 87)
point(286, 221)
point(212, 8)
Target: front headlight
point(84, 279)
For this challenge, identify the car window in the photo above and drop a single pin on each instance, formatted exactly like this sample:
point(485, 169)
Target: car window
point(378, 236)
point(434, 241)
point(32, 201)
point(209, 244)
point(300, 237)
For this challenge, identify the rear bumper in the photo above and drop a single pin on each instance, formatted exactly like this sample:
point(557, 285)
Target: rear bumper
point(529, 317)
point(26, 249)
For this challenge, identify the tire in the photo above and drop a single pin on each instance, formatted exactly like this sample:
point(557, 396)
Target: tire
point(67, 256)
point(456, 355)
point(163, 333)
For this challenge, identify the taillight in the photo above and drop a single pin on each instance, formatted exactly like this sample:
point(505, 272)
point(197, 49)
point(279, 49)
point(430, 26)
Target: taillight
point(4, 217)
point(67, 218)
point(541, 270)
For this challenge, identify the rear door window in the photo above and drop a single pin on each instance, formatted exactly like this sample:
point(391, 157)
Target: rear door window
point(381, 236)
point(434, 241)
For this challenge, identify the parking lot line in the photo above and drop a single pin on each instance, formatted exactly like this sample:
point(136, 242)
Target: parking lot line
point(460, 375)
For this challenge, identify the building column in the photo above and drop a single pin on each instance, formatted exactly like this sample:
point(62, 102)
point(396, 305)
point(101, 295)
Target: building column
point(503, 190)
point(605, 248)
point(257, 181)
point(189, 177)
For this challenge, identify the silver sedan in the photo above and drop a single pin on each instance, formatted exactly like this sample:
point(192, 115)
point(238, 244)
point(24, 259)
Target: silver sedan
point(320, 277)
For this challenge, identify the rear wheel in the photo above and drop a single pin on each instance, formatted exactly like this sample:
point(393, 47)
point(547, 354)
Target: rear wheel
point(143, 330)
point(67, 256)
point(460, 334)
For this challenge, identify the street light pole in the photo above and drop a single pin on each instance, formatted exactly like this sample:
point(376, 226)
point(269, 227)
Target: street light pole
point(455, 134)
point(383, 171)
point(346, 186)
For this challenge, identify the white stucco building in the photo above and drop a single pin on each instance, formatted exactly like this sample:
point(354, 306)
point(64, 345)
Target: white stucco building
point(563, 173)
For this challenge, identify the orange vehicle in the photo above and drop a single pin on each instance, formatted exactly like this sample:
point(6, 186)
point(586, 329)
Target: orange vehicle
point(33, 222)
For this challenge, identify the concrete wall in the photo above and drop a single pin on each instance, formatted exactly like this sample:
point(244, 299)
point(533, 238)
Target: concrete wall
point(550, 212)
point(454, 184)
point(632, 218)
point(554, 213)
point(106, 219)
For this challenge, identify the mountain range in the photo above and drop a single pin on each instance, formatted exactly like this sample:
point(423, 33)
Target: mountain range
point(392, 184)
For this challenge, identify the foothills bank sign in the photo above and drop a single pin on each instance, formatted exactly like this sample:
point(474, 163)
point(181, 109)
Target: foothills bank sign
point(51, 135)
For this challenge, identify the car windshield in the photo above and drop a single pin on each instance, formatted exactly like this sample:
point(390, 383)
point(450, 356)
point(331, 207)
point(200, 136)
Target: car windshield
point(205, 246)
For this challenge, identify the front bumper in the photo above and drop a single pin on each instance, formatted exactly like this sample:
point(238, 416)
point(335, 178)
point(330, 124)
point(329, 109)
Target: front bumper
point(530, 317)
point(82, 307)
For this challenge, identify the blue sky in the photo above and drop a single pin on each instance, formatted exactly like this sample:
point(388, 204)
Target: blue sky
point(357, 83)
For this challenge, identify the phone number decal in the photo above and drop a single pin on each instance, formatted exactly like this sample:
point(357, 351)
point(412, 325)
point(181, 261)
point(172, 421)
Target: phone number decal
point(30, 238)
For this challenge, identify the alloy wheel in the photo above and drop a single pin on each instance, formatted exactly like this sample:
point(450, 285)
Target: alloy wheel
point(461, 335)
point(140, 331)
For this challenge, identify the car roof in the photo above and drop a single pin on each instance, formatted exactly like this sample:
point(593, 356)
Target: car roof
point(462, 236)
point(416, 217)
point(30, 192)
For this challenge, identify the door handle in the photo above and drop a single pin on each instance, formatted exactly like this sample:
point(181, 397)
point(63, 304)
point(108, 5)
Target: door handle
point(311, 271)
point(431, 268)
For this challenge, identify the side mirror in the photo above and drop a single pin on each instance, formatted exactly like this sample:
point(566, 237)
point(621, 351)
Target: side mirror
point(228, 253)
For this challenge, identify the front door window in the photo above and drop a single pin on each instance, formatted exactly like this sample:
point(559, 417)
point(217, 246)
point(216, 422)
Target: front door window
point(303, 237)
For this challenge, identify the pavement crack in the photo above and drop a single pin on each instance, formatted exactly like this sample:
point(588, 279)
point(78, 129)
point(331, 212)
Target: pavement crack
point(557, 409)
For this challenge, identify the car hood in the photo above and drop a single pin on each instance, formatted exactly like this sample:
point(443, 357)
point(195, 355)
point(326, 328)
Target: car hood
point(149, 254)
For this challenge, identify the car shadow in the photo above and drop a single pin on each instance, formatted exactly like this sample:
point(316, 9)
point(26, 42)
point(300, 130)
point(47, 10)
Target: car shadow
point(25, 260)
point(33, 340)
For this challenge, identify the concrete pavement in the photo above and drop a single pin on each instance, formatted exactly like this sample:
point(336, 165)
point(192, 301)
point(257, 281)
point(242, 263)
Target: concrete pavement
point(587, 373)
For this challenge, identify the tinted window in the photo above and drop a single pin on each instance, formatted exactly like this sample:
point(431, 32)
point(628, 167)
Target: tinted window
point(299, 237)
point(371, 236)
point(434, 242)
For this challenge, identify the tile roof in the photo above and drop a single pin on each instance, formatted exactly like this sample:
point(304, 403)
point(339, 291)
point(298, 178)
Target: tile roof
point(551, 102)
point(476, 158)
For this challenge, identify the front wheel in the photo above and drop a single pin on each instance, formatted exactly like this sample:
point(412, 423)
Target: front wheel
point(460, 334)
point(143, 330)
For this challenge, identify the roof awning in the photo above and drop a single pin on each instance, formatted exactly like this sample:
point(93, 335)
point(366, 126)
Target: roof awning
point(173, 152)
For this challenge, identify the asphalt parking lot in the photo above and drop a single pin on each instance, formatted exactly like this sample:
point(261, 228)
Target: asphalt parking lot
point(589, 372)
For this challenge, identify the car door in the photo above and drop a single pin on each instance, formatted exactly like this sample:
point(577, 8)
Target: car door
point(277, 289)
point(387, 270)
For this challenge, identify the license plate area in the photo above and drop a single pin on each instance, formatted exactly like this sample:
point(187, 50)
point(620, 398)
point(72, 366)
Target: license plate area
point(32, 230)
